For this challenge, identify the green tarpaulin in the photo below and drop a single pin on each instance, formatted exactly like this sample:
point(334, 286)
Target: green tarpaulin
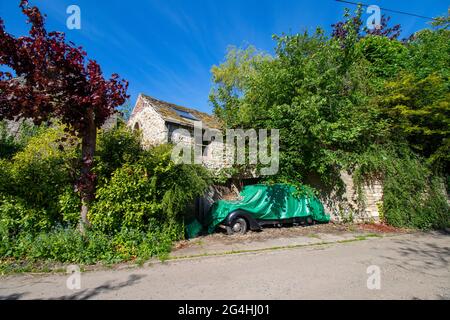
point(269, 202)
point(193, 229)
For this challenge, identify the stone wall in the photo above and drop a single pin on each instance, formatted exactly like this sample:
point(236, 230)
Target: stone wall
point(215, 157)
point(151, 124)
point(111, 122)
point(348, 206)
point(13, 127)
point(213, 194)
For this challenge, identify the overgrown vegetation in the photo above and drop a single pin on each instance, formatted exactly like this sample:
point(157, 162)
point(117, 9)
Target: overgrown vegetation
point(359, 100)
point(44, 77)
point(413, 196)
point(356, 100)
point(138, 212)
point(12, 141)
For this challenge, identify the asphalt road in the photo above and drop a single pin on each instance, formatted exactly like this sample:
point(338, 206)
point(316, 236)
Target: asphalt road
point(412, 266)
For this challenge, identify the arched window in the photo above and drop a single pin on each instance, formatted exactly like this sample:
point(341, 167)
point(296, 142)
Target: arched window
point(136, 126)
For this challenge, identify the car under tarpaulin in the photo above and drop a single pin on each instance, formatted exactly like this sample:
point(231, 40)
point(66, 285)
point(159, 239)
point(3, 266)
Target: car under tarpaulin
point(282, 203)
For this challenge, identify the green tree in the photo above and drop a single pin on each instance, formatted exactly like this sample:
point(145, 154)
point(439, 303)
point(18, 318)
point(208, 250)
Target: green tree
point(429, 52)
point(420, 110)
point(318, 98)
point(231, 79)
point(340, 102)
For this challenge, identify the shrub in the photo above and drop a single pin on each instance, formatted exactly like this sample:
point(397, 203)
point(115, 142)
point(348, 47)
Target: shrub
point(65, 245)
point(127, 200)
point(69, 245)
point(31, 183)
point(17, 217)
point(69, 205)
point(42, 171)
point(154, 188)
point(413, 196)
point(11, 143)
point(137, 213)
point(116, 147)
point(5, 176)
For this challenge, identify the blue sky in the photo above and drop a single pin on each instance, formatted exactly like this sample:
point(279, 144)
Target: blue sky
point(165, 48)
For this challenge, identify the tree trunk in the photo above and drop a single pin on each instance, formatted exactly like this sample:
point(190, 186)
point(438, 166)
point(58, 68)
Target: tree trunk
point(87, 179)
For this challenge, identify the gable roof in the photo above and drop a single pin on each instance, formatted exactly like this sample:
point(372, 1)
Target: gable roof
point(168, 111)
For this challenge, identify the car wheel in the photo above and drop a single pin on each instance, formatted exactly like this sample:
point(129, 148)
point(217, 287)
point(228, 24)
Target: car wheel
point(238, 226)
point(309, 220)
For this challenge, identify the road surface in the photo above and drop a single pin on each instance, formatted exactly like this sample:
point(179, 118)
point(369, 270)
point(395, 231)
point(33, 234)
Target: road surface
point(411, 266)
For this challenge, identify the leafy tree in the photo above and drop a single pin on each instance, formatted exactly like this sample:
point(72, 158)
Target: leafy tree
point(340, 102)
point(54, 80)
point(428, 53)
point(386, 57)
point(442, 21)
point(231, 79)
point(353, 24)
point(420, 110)
point(318, 97)
point(416, 101)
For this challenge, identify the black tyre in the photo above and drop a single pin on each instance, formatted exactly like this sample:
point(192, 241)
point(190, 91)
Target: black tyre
point(309, 221)
point(238, 226)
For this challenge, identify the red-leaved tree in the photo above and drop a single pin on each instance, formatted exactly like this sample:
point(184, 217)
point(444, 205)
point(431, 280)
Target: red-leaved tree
point(53, 79)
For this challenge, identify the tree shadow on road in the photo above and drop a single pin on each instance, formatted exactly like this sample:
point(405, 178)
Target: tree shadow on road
point(423, 255)
point(107, 286)
point(13, 296)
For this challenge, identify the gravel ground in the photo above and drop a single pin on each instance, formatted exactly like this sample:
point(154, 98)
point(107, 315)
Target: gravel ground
point(270, 233)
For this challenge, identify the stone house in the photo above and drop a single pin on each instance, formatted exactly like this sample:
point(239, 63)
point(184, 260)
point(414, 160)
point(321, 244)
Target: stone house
point(163, 122)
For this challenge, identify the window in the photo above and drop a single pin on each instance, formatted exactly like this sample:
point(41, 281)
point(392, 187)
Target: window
point(136, 126)
point(171, 127)
point(206, 152)
point(185, 114)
